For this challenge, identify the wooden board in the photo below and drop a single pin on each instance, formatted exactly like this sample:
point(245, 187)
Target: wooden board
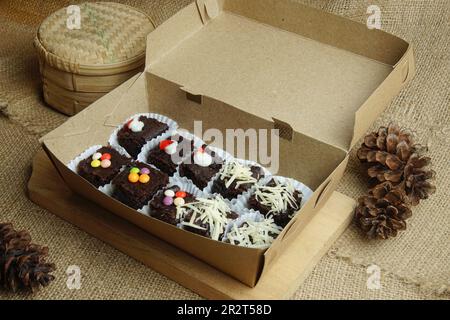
point(47, 189)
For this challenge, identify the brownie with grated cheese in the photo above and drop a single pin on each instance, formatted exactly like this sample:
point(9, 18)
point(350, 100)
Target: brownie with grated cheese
point(268, 208)
point(235, 179)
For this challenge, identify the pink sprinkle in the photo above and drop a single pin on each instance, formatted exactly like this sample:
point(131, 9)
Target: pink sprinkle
point(145, 171)
point(168, 201)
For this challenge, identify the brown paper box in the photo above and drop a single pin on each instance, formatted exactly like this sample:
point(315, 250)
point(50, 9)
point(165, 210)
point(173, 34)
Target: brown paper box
point(319, 78)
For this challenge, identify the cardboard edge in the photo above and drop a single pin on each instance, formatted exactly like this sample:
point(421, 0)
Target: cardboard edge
point(403, 72)
point(311, 21)
point(183, 24)
point(118, 92)
point(305, 215)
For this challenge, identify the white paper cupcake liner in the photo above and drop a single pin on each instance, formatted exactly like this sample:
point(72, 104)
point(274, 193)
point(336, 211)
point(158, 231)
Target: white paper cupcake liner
point(113, 141)
point(306, 191)
point(150, 145)
point(73, 165)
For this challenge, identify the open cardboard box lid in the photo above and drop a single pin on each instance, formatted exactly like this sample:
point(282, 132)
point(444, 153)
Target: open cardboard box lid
point(319, 78)
point(308, 71)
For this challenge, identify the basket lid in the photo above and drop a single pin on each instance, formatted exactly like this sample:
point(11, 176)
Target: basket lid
point(109, 34)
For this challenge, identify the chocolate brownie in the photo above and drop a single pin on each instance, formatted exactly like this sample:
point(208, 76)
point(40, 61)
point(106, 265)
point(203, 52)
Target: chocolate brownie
point(236, 178)
point(135, 134)
point(164, 205)
point(209, 218)
point(281, 201)
point(201, 167)
point(254, 234)
point(137, 184)
point(100, 168)
point(169, 154)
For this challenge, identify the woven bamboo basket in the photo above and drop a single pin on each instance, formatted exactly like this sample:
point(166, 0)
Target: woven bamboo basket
point(80, 65)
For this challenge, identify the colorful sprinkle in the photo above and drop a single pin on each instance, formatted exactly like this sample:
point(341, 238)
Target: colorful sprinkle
point(136, 125)
point(144, 178)
point(145, 171)
point(133, 177)
point(178, 201)
point(106, 163)
point(168, 201)
point(95, 163)
point(105, 156)
point(135, 170)
point(180, 194)
point(171, 148)
point(202, 159)
point(169, 193)
point(96, 156)
point(164, 144)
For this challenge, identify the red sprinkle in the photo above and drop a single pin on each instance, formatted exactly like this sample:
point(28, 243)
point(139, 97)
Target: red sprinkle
point(163, 144)
point(180, 194)
point(201, 150)
point(106, 156)
point(128, 123)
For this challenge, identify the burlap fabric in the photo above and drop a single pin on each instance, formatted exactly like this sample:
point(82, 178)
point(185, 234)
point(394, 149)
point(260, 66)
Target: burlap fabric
point(416, 265)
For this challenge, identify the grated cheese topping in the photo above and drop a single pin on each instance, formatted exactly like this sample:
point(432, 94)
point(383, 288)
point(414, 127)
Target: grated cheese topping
point(234, 171)
point(279, 197)
point(212, 212)
point(254, 234)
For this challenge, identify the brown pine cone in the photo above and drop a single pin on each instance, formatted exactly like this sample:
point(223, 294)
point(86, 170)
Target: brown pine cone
point(22, 264)
point(418, 179)
point(387, 152)
point(382, 213)
point(392, 156)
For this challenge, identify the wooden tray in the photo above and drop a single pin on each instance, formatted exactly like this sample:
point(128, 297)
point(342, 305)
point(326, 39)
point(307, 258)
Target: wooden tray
point(47, 189)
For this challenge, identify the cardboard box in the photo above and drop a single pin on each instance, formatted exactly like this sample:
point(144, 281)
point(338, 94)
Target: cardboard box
point(319, 78)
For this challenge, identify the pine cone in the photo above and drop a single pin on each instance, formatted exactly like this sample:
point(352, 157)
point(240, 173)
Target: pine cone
point(382, 213)
point(417, 179)
point(392, 156)
point(22, 264)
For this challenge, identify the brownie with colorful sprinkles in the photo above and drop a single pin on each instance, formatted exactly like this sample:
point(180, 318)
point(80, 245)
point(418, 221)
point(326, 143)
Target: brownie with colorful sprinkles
point(201, 167)
point(136, 132)
point(170, 153)
point(206, 217)
point(100, 168)
point(279, 200)
point(137, 184)
point(236, 178)
point(164, 205)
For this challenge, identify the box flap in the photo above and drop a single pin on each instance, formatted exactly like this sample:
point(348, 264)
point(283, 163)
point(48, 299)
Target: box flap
point(278, 70)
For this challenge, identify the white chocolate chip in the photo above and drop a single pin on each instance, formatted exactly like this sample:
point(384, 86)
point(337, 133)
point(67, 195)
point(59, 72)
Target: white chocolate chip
point(179, 201)
point(169, 193)
point(171, 148)
point(136, 125)
point(96, 156)
point(202, 159)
